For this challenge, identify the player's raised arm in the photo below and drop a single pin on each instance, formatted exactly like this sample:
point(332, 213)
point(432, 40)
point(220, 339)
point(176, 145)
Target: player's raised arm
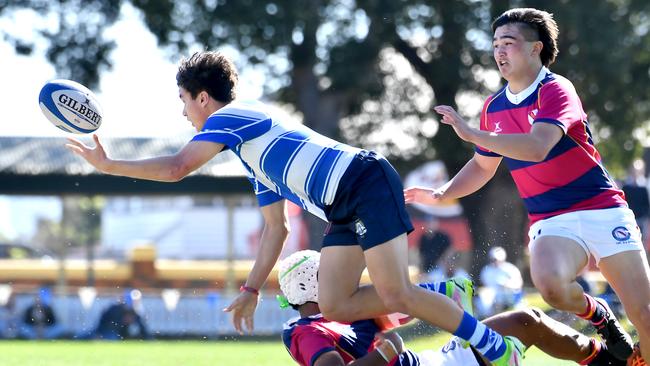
point(474, 175)
point(532, 146)
point(169, 168)
point(275, 233)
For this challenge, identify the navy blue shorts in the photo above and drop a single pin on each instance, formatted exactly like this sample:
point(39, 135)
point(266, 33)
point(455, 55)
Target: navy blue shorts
point(369, 206)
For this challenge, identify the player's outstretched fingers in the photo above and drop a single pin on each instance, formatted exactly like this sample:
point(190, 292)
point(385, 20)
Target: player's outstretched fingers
point(75, 145)
point(236, 318)
point(98, 144)
point(250, 324)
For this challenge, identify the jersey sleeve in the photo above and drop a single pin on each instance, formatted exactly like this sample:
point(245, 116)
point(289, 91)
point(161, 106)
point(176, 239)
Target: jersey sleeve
point(265, 196)
point(560, 105)
point(309, 343)
point(484, 126)
point(231, 129)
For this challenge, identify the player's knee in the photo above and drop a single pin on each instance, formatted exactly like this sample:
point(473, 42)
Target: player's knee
point(553, 290)
point(396, 298)
point(555, 297)
point(336, 311)
point(333, 312)
point(529, 317)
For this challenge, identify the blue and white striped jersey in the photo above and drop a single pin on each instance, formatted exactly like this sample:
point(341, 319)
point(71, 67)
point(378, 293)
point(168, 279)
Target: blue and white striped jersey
point(285, 160)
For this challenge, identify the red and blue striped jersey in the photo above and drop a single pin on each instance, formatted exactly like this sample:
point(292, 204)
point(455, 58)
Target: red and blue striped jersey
point(572, 176)
point(306, 339)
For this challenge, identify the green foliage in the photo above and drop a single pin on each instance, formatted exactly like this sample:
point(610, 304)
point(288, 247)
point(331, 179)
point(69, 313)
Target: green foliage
point(605, 55)
point(73, 32)
point(327, 59)
point(80, 225)
point(81, 221)
point(324, 56)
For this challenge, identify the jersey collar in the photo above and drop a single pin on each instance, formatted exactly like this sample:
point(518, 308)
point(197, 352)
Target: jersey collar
point(519, 97)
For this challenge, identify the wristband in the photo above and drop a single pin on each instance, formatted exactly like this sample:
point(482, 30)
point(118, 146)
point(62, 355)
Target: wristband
point(392, 345)
point(252, 290)
point(383, 352)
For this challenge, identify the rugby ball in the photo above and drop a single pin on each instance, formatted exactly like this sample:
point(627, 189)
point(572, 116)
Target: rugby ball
point(70, 106)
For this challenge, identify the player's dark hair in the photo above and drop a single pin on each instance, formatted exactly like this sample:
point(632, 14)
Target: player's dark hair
point(536, 25)
point(210, 71)
point(297, 307)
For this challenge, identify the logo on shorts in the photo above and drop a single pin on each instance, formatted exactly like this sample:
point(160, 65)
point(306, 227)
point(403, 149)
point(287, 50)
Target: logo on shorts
point(360, 228)
point(621, 233)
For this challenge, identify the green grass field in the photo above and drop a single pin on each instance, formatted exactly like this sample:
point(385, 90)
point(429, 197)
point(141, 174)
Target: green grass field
point(169, 353)
point(245, 352)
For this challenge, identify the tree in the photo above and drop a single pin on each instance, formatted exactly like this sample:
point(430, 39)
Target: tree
point(329, 60)
point(80, 226)
point(334, 50)
point(73, 33)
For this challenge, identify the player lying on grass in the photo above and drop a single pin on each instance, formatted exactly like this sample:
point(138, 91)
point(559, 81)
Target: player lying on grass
point(315, 341)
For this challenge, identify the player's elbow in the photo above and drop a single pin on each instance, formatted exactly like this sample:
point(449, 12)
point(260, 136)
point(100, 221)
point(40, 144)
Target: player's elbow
point(284, 230)
point(279, 229)
point(178, 172)
point(180, 168)
point(539, 147)
point(538, 152)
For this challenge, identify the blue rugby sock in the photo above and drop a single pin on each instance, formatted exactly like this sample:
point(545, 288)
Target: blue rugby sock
point(488, 342)
point(439, 287)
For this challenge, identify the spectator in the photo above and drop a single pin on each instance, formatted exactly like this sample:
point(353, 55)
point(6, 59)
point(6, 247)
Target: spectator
point(39, 321)
point(502, 283)
point(8, 318)
point(434, 248)
point(119, 321)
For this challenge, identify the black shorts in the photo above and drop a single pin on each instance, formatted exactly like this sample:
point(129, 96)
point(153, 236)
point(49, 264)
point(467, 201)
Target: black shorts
point(369, 206)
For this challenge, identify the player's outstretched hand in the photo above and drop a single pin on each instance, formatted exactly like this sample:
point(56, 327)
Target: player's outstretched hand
point(96, 156)
point(243, 309)
point(452, 118)
point(425, 196)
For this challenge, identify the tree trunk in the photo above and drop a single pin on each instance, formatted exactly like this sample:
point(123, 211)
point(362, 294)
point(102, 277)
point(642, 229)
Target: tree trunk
point(321, 113)
point(497, 217)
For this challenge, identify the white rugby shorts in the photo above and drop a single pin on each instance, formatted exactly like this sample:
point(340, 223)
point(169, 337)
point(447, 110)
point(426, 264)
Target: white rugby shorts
point(601, 233)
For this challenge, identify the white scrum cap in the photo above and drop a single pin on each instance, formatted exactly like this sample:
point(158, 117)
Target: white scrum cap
point(298, 275)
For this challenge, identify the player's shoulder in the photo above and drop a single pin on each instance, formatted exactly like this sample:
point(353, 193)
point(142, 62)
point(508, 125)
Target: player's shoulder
point(303, 323)
point(244, 109)
point(289, 328)
point(498, 94)
point(496, 101)
point(556, 83)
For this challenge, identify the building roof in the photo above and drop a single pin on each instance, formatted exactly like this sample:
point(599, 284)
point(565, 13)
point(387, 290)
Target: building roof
point(42, 165)
point(47, 155)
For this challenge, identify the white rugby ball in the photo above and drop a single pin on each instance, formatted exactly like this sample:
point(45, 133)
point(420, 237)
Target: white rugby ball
point(70, 106)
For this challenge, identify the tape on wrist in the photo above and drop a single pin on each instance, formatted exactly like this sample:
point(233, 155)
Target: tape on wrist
point(383, 352)
point(392, 345)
